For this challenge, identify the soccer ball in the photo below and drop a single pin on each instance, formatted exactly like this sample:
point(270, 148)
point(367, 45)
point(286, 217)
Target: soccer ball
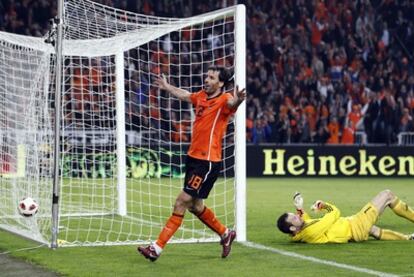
point(28, 207)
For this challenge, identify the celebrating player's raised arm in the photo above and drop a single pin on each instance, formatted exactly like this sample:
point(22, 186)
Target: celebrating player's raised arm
point(238, 98)
point(162, 83)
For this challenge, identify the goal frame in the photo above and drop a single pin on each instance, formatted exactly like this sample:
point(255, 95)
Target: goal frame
point(240, 122)
point(64, 48)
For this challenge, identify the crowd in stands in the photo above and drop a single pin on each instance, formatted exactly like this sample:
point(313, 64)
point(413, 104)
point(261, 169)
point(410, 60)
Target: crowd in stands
point(317, 71)
point(320, 71)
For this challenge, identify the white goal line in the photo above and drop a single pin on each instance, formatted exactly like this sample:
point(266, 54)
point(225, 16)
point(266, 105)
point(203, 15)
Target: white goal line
point(317, 260)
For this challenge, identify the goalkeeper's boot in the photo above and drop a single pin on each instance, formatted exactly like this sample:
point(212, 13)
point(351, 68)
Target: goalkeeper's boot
point(148, 252)
point(226, 243)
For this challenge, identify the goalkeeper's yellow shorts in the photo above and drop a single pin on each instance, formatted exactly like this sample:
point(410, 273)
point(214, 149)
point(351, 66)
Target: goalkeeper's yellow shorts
point(362, 222)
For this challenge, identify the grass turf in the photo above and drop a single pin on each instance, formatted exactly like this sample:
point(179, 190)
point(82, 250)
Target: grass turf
point(267, 199)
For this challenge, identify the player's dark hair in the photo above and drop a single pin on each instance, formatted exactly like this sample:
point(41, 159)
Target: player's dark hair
point(225, 75)
point(283, 225)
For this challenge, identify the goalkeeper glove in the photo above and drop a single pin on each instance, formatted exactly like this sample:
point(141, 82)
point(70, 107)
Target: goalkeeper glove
point(298, 201)
point(317, 206)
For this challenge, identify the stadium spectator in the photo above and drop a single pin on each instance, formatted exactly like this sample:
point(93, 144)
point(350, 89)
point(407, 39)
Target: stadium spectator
point(261, 130)
point(333, 128)
point(322, 135)
point(348, 134)
point(407, 123)
point(328, 52)
point(348, 55)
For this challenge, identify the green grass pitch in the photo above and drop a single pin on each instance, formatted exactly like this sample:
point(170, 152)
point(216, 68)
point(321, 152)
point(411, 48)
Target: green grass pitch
point(266, 200)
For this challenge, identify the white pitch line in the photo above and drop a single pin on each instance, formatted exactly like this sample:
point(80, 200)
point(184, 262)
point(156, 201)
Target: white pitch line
point(316, 260)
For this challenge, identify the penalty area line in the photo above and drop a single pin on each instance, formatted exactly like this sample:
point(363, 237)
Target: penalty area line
point(316, 260)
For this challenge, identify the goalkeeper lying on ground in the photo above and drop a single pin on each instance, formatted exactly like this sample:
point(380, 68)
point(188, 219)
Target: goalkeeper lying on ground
point(334, 228)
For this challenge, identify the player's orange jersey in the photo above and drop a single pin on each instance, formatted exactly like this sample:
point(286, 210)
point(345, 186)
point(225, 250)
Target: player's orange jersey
point(210, 125)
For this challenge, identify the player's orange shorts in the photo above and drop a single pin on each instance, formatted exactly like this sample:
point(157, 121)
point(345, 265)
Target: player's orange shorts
point(362, 222)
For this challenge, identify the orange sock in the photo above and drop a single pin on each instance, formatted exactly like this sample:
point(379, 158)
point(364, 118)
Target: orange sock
point(209, 218)
point(173, 223)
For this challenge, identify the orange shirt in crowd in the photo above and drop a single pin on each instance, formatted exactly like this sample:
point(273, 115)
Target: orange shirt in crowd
point(305, 74)
point(95, 76)
point(334, 132)
point(354, 117)
point(249, 123)
point(321, 12)
point(210, 125)
point(412, 103)
point(80, 86)
point(316, 37)
point(249, 127)
point(347, 136)
point(188, 34)
point(311, 115)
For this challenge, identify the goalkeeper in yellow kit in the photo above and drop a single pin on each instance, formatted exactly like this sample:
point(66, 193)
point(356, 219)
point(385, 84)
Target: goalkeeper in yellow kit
point(332, 228)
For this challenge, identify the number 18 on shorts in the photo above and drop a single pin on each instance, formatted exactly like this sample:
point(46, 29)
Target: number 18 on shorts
point(200, 176)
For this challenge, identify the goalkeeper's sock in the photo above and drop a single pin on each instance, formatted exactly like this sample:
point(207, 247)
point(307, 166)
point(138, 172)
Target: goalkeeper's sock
point(209, 218)
point(402, 209)
point(386, 234)
point(173, 223)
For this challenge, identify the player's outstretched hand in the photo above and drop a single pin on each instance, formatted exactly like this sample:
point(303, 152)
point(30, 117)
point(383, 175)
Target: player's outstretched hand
point(161, 82)
point(317, 206)
point(298, 201)
point(241, 94)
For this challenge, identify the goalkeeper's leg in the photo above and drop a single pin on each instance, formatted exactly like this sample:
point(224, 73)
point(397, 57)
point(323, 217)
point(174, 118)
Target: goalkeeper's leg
point(387, 199)
point(385, 234)
point(402, 209)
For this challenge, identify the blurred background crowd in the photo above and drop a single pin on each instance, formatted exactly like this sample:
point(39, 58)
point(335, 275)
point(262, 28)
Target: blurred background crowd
point(317, 71)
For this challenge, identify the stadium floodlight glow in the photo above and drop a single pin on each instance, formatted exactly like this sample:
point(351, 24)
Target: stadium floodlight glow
point(122, 142)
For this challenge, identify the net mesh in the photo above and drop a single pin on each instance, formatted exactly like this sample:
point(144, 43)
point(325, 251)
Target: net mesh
point(110, 60)
point(157, 126)
point(26, 138)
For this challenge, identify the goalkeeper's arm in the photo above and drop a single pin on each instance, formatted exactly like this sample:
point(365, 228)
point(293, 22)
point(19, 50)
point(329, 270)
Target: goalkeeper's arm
point(298, 203)
point(181, 94)
point(332, 215)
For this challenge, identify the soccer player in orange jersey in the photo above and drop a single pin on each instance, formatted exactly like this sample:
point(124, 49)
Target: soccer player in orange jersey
point(213, 108)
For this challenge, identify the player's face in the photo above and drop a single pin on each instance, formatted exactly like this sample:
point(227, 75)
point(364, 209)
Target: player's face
point(212, 83)
point(294, 219)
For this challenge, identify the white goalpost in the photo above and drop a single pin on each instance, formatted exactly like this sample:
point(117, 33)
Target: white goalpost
point(121, 141)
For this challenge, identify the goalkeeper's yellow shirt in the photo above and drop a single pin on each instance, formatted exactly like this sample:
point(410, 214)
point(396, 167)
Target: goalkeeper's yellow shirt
point(329, 228)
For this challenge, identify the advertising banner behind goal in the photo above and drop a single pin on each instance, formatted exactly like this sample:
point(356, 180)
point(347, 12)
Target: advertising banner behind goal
point(330, 161)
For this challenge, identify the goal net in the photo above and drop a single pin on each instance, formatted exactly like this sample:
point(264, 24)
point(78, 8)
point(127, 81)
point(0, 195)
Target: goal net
point(25, 133)
point(123, 141)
